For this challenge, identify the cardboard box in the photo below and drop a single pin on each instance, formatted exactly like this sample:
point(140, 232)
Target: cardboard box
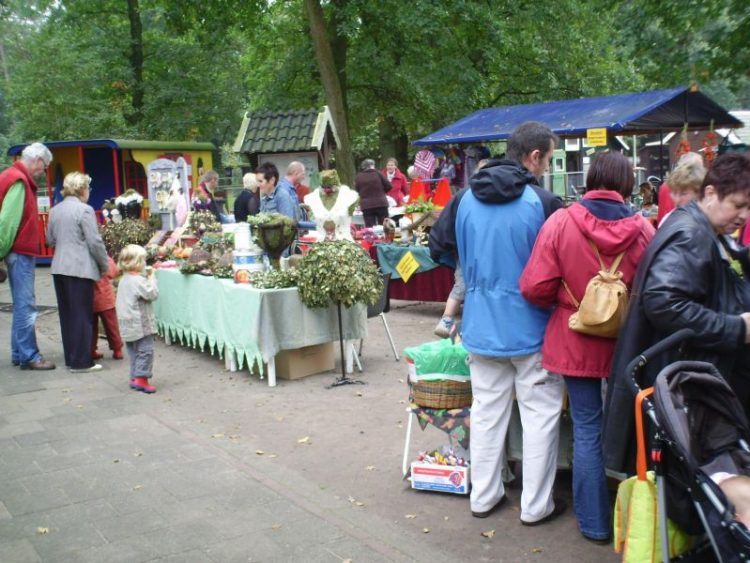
point(441, 478)
point(298, 363)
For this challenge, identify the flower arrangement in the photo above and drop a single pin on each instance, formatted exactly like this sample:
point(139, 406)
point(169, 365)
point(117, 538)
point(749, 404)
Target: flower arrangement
point(274, 279)
point(273, 232)
point(128, 197)
point(117, 236)
point(201, 222)
point(338, 272)
point(129, 204)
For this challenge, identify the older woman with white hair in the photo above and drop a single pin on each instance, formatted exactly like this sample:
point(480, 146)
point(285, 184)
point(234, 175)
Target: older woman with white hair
point(80, 259)
point(248, 201)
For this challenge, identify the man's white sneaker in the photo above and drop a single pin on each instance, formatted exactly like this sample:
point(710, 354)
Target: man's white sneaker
point(95, 367)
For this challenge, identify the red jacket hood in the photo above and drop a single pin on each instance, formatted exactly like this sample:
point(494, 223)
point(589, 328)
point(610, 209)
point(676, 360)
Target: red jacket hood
point(610, 236)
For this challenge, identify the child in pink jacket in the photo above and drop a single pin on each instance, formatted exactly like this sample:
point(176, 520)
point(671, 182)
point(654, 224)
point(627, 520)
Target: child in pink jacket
point(104, 309)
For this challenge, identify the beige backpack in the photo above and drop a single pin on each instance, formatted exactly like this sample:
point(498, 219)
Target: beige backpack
point(602, 310)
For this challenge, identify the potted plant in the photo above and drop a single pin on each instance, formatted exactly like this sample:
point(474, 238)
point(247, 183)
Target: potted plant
point(129, 204)
point(274, 233)
point(338, 272)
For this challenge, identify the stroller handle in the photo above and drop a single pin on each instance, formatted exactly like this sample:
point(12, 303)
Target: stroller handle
point(637, 363)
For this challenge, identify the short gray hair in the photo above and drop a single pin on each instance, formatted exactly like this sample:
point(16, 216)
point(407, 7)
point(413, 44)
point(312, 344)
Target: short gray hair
point(295, 167)
point(367, 164)
point(36, 150)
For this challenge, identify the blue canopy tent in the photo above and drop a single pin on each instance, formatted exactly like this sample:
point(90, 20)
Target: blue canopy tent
point(625, 114)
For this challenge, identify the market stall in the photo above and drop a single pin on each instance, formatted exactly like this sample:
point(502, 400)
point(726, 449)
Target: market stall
point(245, 325)
point(430, 282)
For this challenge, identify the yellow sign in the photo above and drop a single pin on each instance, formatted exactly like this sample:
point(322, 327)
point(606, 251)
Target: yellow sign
point(407, 266)
point(596, 137)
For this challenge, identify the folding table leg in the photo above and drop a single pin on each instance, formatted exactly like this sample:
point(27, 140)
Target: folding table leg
point(356, 358)
point(271, 372)
point(230, 364)
point(390, 336)
point(407, 442)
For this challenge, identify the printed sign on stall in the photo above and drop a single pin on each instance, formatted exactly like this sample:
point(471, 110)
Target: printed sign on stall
point(407, 266)
point(596, 137)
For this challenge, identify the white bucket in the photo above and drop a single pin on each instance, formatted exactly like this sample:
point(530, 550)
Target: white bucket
point(249, 259)
point(242, 236)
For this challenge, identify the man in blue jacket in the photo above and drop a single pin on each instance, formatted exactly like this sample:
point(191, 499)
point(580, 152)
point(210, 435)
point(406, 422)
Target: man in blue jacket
point(492, 225)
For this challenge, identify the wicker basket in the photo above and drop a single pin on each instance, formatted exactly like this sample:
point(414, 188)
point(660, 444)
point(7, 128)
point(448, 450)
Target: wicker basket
point(444, 394)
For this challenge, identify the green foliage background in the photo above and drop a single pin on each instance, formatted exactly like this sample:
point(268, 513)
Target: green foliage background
point(406, 68)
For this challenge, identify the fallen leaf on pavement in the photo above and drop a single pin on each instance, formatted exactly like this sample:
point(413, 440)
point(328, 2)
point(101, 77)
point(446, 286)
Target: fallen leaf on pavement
point(370, 468)
point(273, 455)
point(259, 452)
point(359, 393)
point(217, 435)
point(276, 526)
point(489, 534)
point(400, 380)
point(41, 530)
point(137, 487)
point(115, 461)
point(410, 516)
point(536, 550)
point(305, 440)
point(425, 530)
point(138, 454)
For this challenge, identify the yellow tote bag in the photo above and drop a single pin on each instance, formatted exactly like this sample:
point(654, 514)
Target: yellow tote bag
point(636, 518)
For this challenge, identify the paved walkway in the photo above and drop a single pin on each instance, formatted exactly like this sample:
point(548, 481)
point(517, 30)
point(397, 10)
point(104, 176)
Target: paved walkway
point(219, 467)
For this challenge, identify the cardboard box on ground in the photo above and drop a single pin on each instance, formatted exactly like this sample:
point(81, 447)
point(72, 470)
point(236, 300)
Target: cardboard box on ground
point(301, 362)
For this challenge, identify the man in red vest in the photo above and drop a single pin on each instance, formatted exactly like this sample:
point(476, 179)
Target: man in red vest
point(19, 243)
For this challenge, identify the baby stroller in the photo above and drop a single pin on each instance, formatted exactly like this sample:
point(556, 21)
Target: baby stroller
point(699, 428)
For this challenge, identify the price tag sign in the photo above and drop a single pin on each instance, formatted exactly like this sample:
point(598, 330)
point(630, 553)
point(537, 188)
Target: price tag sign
point(407, 266)
point(596, 137)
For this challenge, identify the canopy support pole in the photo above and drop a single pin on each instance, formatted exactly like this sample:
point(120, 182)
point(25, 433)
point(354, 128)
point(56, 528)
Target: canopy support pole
point(661, 155)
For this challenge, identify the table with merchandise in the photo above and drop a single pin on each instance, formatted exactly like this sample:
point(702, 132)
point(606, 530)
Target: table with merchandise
point(244, 325)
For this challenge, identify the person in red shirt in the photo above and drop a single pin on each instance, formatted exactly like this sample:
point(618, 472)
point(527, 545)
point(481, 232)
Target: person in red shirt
point(561, 265)
point(399, 186)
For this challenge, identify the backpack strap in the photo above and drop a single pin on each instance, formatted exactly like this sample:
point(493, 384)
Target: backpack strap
point(615, 264)
point(570, 294)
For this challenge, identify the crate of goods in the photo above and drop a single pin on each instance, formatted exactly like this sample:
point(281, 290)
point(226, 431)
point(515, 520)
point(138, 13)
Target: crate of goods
point(440, 478)
point(439, 375)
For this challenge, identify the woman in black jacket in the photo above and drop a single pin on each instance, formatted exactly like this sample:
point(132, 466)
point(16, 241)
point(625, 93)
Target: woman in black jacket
point(686, 280)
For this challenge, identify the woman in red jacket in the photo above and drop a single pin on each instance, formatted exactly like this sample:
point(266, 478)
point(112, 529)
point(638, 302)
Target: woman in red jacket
point(563, 252)
point(399, 187)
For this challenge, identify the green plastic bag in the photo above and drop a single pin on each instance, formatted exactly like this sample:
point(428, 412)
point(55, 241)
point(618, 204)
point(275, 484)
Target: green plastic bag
point(438, 360)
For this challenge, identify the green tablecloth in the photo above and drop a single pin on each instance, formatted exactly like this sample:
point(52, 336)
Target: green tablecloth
point(251, 324)
point(390, 254)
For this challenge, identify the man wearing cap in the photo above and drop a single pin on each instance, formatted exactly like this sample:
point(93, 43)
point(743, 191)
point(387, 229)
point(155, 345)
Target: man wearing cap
point(19, 243)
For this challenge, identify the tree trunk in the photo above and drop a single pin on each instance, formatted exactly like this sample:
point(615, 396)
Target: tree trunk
point(136, 62)
point(394, 143)
point(329, 76)
point(4, 63)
